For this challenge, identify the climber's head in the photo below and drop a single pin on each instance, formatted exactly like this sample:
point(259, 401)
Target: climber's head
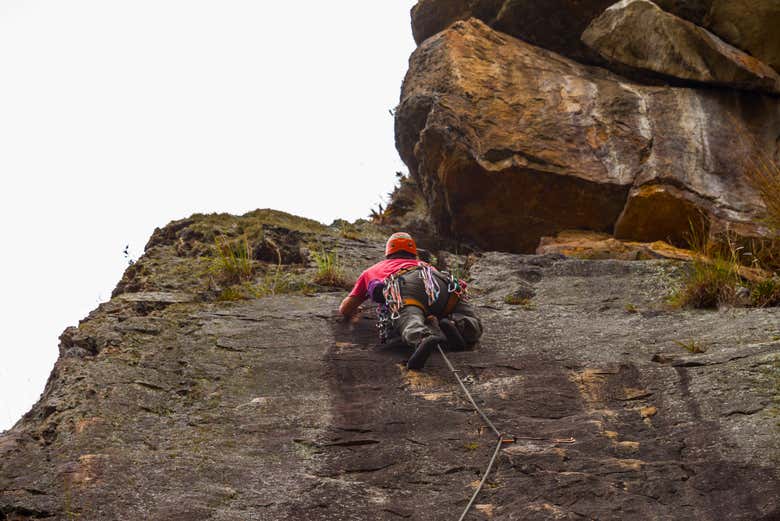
point(400, 245)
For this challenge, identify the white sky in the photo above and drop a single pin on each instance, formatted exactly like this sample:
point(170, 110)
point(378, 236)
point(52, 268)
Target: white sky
point(120, 116)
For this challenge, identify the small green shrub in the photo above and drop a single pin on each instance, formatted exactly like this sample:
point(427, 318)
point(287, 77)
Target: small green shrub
point(273, 282)
point(709, 285)
point(329, 269)
point(714, 277)
point(232, 293)
point(233, 260)
point(719, 276)
point(279, 282)
point(766, 292)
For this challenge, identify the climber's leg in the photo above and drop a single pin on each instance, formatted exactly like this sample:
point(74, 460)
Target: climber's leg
point(412, 327)
point(467, 322)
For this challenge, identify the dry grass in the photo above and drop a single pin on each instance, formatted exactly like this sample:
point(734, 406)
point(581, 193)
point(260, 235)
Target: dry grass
point(692, 346)
point(518, 300)
point(329, 269)
point(723, 273)
point(235, 268)
point(233, 261)
point(764, 175)
point(714, 277)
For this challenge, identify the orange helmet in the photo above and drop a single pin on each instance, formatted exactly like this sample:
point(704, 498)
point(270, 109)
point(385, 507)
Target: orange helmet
point(400, 242)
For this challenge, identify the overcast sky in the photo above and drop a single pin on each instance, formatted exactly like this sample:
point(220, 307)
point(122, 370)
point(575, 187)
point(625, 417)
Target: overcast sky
point(119, 116)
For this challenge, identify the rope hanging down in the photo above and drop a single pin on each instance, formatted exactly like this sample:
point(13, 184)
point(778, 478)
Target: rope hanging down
point(489, 423)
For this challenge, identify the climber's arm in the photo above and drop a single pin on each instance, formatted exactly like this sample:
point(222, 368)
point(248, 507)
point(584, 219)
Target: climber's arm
point(350, 305)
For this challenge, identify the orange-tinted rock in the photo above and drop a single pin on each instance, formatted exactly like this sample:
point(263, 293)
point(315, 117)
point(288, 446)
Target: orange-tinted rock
point(640, 35)
point(655, 211)
point(509, 142)
point(599, 246)
point(593, 245)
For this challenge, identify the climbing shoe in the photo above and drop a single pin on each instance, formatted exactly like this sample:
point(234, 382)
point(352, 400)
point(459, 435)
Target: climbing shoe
point(423, 351)
point(454, 339)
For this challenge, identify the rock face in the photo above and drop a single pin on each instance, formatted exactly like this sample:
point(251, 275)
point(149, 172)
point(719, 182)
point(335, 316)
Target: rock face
point(639, 34)
point(510, 142)
point(552, 24)
point(594, 245)
point(750, 25)
point(173, 405)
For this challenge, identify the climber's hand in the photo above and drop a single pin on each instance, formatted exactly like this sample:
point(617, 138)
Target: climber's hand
point(349, 307)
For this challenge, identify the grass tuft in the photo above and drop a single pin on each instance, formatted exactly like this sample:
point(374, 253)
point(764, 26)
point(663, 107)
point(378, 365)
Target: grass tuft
point(718, 275)
point(692, 346)
point(766, 293)
point(330, 272)
point(764, 175)
point(233, 260)
point(518, 300)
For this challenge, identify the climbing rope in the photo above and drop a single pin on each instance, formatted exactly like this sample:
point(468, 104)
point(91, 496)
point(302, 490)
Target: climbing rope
point(489, 423)
point(501, 437)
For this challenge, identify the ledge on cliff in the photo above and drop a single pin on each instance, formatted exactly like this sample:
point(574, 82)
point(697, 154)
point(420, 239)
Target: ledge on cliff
point(182, 406)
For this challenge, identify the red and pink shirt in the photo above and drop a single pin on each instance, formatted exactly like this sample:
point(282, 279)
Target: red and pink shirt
point(380, 271)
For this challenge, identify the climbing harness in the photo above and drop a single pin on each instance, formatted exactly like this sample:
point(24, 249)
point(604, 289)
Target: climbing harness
point(390, 311)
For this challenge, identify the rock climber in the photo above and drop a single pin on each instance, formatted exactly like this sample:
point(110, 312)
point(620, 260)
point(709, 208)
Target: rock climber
point(422, 305)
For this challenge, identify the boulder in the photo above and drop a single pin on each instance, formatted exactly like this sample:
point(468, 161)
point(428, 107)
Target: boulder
point(509, 142)
point(552, 24)
point(640, 35)
point(750, 25)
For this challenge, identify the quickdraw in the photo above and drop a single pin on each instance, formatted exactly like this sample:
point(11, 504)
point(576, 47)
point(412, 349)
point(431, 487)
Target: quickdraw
point(459, 287)
point(384, 323)
point(432, 288)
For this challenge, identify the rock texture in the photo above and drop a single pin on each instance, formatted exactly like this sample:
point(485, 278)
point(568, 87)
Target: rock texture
point(510, 142)
point(552, 24)
point(639, 34)
point(171, 405)
point(594, 245)
point(750, 25)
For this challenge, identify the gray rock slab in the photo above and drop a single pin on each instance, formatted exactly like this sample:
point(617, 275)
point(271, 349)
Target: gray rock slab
point(272, 409)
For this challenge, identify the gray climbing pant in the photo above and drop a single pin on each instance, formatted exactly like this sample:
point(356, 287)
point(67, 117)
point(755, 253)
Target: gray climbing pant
point(411, 324)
